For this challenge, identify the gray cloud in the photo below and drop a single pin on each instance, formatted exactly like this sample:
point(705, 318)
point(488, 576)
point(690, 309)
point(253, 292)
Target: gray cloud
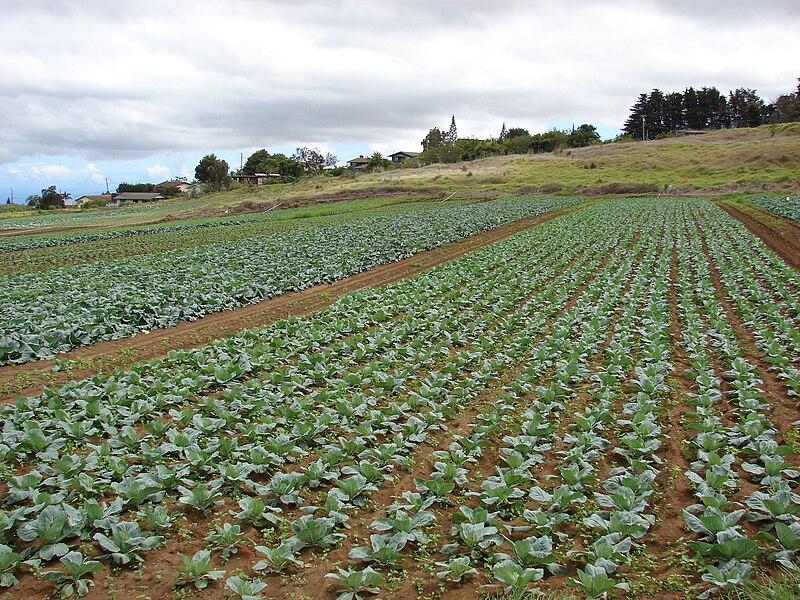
point(136, 79)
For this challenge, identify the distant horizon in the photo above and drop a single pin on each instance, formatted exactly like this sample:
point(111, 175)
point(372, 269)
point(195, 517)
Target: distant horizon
point(187, 170)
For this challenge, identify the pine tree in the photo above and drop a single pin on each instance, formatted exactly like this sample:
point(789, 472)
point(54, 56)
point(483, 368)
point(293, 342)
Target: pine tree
point(654, 114)
point(633, 126)
point(674, 119)
point(452, 135)
point(691, 109)
point(503, 132)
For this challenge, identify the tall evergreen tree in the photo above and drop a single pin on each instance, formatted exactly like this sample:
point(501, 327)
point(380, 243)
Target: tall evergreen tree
point(745, 108)
point(787, 107)
point(452, 135)
point(692, 110)
point(633, 125)
point(711, 108)
point(674, 119)
point(654, 114)
point(503, 132)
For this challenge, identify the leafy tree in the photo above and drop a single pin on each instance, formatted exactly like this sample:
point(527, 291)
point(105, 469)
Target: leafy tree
point(432, 140)
point(213, 172)
point(549, 141)
point(136, 187)
point(787, 107)
point(377, 162)
point(310, 158)
point(517, 132)
point(745, 108)
point(50, 198)
point(585, 135)
point(519, 143)
point(256, 163)
point(96, 203)
point(286, 167)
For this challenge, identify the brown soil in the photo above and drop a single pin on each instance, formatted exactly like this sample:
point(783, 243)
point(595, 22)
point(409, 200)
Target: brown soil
point(27, 379)
point(782, 236)
point(393, 191)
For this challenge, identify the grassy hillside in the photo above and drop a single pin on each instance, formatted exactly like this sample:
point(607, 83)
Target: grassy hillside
point(735, 159)
point(757, 159)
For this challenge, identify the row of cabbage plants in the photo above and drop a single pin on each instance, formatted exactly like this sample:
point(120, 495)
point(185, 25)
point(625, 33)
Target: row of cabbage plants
point(47, 312)
point(785, 206)
point(726, 461)
point(70, 247)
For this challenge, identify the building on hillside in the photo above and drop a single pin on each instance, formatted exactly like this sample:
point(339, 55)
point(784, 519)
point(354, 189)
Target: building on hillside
point(177, 184)
point(90, 197)
point(256, 178)
point(398, 157)
point(358, 164)
point(136, 198)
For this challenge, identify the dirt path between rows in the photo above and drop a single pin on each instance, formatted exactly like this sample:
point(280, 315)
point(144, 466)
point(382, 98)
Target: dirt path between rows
point(27, 379)
point(782, 236)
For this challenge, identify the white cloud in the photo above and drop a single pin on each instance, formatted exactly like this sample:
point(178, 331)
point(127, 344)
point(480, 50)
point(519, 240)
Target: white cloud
point(159, 172)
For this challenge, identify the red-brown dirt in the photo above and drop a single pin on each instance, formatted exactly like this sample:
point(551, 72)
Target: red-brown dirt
point(782, 236)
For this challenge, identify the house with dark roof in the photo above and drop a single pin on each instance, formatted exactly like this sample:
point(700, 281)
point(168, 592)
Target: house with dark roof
point(136, 198)
point(398, 157)
point(256, 178)
point(358, 164)
point(178, 184)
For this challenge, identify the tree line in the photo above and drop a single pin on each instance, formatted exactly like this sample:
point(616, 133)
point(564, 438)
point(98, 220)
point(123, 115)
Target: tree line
point(440, 146)
point(216, 174)
point(657, 114)
point(49, 198)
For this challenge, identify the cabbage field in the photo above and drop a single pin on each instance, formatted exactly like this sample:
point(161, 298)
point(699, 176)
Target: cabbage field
point(54, 310)
point(603, 405)
point(785, 206)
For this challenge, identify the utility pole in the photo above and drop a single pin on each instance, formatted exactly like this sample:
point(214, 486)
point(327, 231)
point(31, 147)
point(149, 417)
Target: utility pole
point(642, 127)
point(107, 190)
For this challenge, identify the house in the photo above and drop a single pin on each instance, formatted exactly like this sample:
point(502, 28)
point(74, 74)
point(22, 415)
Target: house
point(135, 197)
point(358, 164)
point(177, 184)
point(255, 178)
point(398, 157)
point(91, 197)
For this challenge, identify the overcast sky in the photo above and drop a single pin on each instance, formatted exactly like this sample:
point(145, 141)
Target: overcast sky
point(139, 91)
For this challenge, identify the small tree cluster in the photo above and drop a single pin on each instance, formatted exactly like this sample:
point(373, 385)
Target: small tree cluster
point(49, 198)
point(312, 159)
point(213, 172)
point(447, 148)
